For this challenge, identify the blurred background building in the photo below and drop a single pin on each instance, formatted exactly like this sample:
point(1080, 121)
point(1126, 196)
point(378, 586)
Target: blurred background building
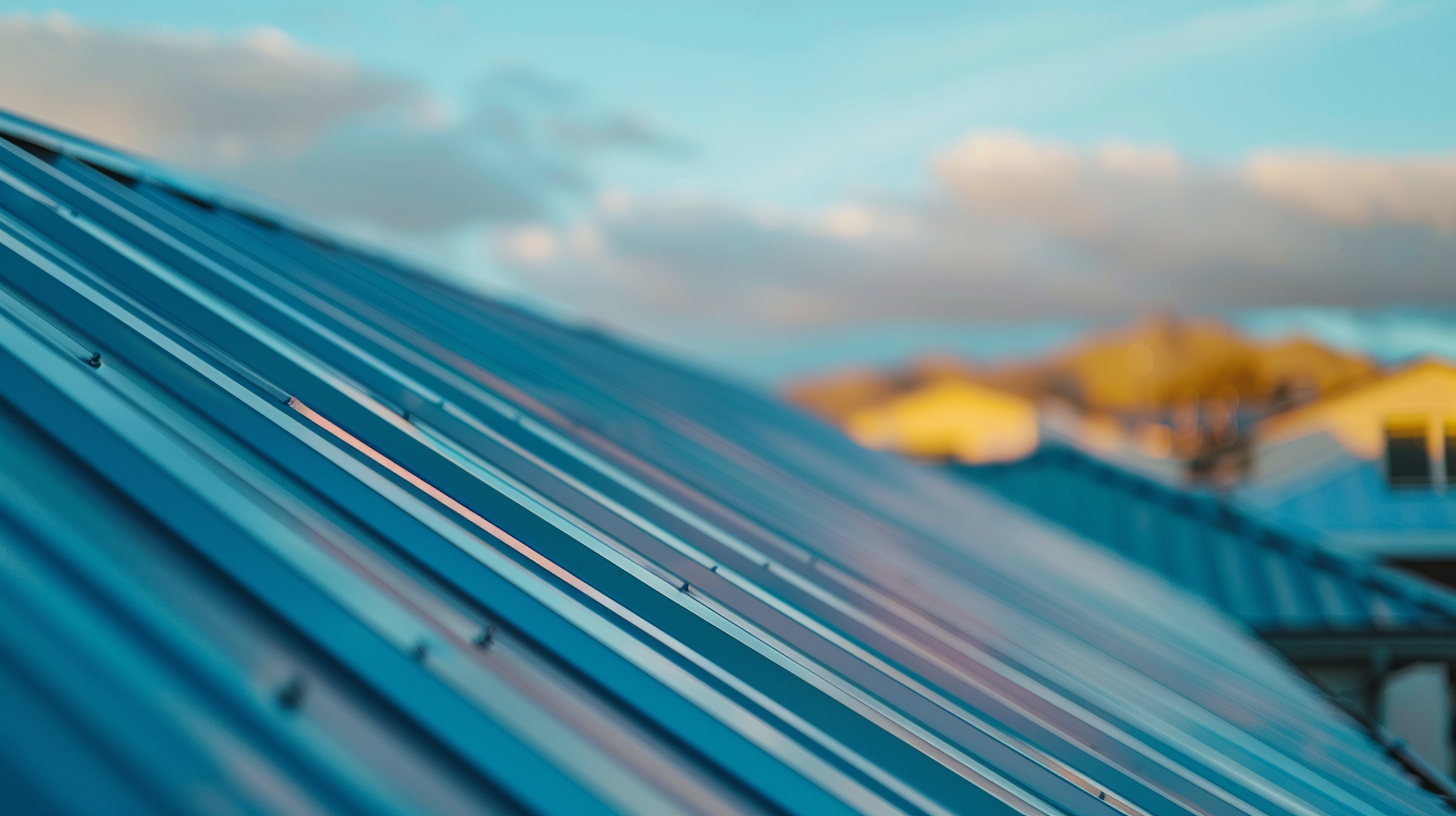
point(1301, 488)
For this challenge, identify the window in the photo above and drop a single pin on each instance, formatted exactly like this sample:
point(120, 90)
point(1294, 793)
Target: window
point(1407, 458)
point(1450, 450)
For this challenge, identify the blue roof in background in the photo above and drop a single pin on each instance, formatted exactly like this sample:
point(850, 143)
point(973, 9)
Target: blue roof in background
point(1274, 580)
point(294, 530)
point(1347, 504)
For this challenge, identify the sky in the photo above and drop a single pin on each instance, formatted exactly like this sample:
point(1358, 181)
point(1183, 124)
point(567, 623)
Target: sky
point(713, 174)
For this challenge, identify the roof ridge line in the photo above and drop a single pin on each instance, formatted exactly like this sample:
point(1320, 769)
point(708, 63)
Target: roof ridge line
point(1270, 536)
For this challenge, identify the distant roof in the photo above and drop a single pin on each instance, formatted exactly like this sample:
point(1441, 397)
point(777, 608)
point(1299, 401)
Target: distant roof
point(1355, 416)
point(291, 528)
point(1345, 503)
point(1318, 470)
point(1274, 580)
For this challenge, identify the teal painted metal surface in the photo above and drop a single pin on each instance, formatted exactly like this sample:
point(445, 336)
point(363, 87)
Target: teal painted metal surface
point(288, 528)
point(1273, 579)
point(1347, 504)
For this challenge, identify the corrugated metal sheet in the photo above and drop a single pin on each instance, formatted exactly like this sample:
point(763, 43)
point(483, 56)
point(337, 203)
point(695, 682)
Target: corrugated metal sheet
point(1346, 503)
point(1272, 579)
point(286, 528)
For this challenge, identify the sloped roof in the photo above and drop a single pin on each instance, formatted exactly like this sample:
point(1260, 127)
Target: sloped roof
point(1356, 417)
point(1347, 505)
point(293, 529)
point(1273, 579)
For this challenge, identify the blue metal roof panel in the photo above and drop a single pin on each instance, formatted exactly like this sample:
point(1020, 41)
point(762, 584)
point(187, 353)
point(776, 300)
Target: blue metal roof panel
point(1348, 504)
point(1267, 578)
point(574, 577)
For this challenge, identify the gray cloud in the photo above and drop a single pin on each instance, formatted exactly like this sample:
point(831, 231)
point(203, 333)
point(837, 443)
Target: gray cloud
point(312, 130)
point(192, 98)
point(1019, 229)
point(522, 143)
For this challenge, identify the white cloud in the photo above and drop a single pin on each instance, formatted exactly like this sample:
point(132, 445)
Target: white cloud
point(1361, 191)
point(1005, 170)
point(1017, 228)
point(311, 130)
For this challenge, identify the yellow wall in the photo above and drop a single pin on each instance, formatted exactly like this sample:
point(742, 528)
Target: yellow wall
point(953, 419)
point(1357, 419)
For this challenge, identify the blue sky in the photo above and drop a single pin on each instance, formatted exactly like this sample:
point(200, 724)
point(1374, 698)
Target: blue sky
point(735, 178)
point(800, 102)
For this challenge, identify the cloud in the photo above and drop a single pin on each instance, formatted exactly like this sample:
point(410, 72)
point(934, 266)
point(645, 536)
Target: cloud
point(1360, 192)
point(195, 98)
point(1016, 228)
point(312, 130)
point(1010, 227)
point(521, 144)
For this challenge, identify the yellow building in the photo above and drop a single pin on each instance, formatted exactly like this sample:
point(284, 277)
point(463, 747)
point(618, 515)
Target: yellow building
point(1412, 411)
point(950, 419)
point(1372, 469)
point(1162, 388)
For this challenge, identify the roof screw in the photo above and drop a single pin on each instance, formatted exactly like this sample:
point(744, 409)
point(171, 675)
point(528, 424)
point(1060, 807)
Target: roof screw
point(290, 696)
point(485, 638)
point(419, 652)
point(94, 360)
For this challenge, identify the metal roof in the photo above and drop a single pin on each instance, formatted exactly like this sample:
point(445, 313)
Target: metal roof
point(287, 528)
point(1273, 579)
point(1345, 503)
